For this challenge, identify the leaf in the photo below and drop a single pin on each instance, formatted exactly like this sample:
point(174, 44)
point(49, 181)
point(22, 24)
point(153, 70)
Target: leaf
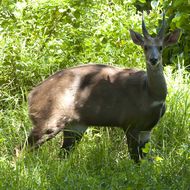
point(146, 149)
point(154, 4)
point(142, 1)
point(158, 159)
point(178, 3)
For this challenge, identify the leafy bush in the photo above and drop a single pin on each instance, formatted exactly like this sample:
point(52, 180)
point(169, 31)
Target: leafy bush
point(40, 38)
point(177, 12)
point(43, 36)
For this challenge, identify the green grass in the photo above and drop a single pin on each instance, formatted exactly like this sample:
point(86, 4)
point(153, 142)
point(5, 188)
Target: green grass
point(101, 160)
point(40, 38)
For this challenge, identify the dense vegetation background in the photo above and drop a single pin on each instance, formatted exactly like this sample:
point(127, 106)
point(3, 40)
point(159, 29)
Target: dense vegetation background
point(39, 37)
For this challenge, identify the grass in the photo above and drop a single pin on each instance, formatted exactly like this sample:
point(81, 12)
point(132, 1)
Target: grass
point(101, 160)
point(42, 37)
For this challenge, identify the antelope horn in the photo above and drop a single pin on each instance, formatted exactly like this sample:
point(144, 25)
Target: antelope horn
point(162, 29)
point(144, 30)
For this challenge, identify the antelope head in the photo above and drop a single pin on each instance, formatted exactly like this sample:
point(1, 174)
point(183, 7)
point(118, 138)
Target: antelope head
point(153, 46)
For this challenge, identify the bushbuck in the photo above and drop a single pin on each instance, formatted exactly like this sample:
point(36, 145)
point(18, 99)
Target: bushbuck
point(102, 95)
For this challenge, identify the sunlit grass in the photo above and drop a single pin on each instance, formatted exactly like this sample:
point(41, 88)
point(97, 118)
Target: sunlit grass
point(39, 37)
point(101, 160)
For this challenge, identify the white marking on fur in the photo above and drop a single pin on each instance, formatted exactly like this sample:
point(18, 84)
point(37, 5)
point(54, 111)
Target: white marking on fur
point(68, 98)
point(154, 67)
point(156, 103)
point(144, 136)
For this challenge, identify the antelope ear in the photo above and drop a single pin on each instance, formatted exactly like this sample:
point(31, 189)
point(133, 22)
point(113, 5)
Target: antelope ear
point(137, 38)
point(172, 38)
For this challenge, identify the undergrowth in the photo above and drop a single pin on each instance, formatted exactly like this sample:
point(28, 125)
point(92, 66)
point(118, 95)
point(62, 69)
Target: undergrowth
point(41, 37)
point(101, 159)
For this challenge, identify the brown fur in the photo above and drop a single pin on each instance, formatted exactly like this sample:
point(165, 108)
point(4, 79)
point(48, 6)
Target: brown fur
point(102, 95)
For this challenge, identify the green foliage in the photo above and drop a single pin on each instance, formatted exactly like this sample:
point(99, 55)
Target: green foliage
point(178, 11)
point(43, 36)
point(101, 160)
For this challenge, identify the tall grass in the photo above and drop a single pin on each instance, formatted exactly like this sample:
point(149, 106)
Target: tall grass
point(38, 38)
point(101, 160)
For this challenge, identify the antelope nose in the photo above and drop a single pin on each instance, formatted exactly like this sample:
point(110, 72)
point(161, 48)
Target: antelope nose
point(153, 61)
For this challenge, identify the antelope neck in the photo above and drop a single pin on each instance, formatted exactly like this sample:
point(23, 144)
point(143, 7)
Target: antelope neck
point(156, 82)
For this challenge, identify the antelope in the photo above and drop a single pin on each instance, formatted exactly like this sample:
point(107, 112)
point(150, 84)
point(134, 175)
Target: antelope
point(102, 95)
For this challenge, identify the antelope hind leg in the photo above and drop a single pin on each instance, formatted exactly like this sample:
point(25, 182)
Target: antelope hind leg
point(73, 134)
